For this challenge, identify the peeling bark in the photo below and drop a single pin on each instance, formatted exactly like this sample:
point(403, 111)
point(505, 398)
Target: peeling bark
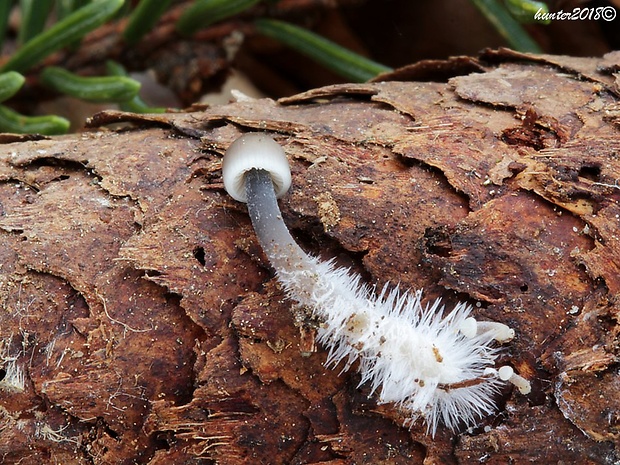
point(149, 326)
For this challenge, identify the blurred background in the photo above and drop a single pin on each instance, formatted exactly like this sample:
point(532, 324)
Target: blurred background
point(183, 52)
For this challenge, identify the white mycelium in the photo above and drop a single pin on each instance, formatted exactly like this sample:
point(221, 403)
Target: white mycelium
point(439, 367)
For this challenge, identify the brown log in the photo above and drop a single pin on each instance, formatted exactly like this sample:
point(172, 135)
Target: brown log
point(150, 328)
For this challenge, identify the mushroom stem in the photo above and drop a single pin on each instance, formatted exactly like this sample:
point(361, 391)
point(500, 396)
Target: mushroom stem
point(501, 332)
point(273, 235)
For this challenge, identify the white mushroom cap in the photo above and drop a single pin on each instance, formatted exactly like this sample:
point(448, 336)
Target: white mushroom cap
point(255, 151)
point(469, 327)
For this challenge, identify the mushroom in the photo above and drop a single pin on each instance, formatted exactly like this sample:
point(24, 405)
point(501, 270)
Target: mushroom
point(409, 353)
point(507, 373)
point(255, 171)
point(500, 332)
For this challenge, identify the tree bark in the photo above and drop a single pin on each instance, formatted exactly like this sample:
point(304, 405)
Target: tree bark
point(150, 328)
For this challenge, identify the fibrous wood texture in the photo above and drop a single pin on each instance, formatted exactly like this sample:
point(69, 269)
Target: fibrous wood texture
point(150, 329)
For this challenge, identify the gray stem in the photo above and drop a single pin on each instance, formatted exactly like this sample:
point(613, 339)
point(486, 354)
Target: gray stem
point(274, 237)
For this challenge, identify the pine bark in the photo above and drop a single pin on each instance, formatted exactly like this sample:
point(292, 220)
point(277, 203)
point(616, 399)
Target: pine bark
point(151, 330)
